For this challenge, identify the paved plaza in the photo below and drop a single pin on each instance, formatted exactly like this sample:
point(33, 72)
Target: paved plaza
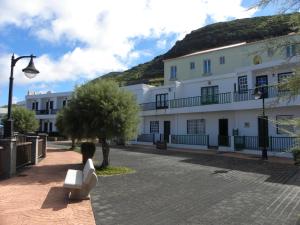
point(36, 195)
point(188, 188)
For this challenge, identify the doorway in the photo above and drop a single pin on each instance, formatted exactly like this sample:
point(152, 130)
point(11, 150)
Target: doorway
point(223, 132)
point(167, 130)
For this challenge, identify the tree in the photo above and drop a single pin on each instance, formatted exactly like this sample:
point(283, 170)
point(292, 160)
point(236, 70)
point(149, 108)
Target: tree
point(101, 110)
point(67, 123)
point(24, 120)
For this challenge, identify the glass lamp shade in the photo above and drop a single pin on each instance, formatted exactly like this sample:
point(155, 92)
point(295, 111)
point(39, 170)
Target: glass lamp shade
point(257, 94)
point(30, 71)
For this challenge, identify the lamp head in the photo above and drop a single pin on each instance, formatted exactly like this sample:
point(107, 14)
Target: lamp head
point(257, 94)
point(30, 71)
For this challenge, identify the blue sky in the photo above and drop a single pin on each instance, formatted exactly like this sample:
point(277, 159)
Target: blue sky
point(75, 41)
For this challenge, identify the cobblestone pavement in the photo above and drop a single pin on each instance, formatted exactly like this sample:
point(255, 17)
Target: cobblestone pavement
point(188, 188)
point(36, 196)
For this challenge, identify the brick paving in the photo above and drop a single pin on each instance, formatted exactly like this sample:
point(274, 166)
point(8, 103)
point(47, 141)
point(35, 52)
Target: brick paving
point(36, 197)
point(173, 187)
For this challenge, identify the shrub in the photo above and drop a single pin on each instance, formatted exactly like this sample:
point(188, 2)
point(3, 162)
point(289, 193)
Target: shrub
point(87, 150)
point(296, 154)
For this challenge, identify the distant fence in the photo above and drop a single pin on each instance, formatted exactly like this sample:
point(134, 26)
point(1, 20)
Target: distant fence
point(190, 139)
point(274, 144)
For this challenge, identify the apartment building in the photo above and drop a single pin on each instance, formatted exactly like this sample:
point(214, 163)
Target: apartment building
point(208, 98)
point(46, 106)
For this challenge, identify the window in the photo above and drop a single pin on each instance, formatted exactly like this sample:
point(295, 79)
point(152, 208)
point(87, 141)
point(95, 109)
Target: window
point(196, 126)
point(154, 127)
point(209, 95)
point(192, 65)
point(257, 60)
point(222, 60)
point(51, 104)
point(242, 84)
point(282, 124)
point(270, 52)
point(33, 106)
point(282, 77)
point(290, 50)
point(206, 66)
point(173, 74)
point(36, 106)
point(64, 103)
point(162, 101)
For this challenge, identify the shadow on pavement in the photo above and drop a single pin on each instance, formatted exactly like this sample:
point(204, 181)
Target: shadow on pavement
point(282, 173)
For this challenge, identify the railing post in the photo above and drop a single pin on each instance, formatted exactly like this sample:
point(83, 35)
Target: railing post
point(170, 138)
point(8, 157)
point(34, 149)
point(271, 144)
point(232, 143)
point(44, 137)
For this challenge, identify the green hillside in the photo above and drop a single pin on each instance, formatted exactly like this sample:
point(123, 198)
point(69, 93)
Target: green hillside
point(210, 36)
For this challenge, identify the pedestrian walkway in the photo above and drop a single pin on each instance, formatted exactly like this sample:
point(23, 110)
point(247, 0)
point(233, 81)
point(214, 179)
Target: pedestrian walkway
point(36, 196)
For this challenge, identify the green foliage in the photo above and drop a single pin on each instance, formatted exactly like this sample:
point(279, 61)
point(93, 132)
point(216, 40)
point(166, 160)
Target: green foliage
point(100, 109)
point(24, 120)
point(68, 123)
point(296, 154)
point(110, 171)
point(211, 36)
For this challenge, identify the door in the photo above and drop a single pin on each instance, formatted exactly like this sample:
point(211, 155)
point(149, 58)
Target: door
point(260, 82)
point(209, 95)
point(263, 132)
point(167, 129)
point(46, 127)
point(223, 132)
point(50, 126)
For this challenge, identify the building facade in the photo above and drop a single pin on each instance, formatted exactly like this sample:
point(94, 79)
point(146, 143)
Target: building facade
point(208, 98)
point(46, 107)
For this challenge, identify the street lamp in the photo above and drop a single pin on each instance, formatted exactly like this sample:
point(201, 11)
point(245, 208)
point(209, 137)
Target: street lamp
point(260, 93)
point(30, 72)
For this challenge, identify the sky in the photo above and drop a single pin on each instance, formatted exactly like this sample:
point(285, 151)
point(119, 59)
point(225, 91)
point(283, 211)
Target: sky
point(76, 40)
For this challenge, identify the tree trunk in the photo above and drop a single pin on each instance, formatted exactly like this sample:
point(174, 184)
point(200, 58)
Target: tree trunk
point(105, 153)
point(73, 143)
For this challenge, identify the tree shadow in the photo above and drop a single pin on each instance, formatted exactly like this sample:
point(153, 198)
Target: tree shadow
point(282, 173)
point(44, 174)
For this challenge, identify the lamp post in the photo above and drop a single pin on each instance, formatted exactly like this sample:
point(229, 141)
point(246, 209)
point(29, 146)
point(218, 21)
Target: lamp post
point(30, 72)
point(260, 94)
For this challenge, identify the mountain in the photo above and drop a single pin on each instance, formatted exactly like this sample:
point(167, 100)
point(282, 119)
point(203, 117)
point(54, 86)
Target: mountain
point(210, 36)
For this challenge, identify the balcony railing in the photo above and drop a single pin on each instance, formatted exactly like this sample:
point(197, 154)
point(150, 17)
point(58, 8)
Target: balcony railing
point(190, 139)
point(275, 144)
point(221, 98)
point(270, 92)
point(46, 111)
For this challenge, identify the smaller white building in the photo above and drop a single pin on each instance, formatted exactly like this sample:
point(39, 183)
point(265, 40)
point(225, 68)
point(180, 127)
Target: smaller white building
point(46, 106)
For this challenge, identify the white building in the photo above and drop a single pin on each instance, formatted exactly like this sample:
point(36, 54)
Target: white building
point(208, 97)
point(46, 106)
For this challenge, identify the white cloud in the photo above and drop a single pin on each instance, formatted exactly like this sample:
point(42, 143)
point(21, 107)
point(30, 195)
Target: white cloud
point(106, 29)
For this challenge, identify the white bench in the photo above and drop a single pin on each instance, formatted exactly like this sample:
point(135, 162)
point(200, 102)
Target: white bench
point(78, 184)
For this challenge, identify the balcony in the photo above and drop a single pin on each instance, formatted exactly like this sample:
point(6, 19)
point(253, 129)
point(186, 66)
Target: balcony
point(46, 111)
point(270, 92)
point(222, 98)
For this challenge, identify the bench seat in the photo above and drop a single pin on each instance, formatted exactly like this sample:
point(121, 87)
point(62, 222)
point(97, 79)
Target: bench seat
point(73, 179)
point(78, 184)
